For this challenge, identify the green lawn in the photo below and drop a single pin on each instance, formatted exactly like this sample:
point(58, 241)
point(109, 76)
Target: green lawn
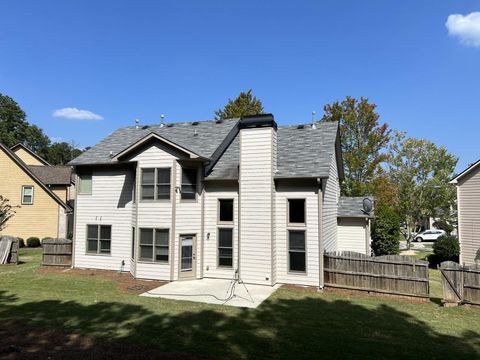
point(292, 324)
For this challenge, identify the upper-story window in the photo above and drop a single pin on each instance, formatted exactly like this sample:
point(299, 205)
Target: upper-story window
point(156, 184)
point(189, 183)
point(27, 195)
point(85, 183)
point(225, 211)
point(296, 211)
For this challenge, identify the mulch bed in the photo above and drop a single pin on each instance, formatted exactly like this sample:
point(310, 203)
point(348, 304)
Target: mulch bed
point(20, 341)
point(125, 281)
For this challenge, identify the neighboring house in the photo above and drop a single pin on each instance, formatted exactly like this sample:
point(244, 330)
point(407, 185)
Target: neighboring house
point(468, 205)
point(40, 191)
point(205, 199)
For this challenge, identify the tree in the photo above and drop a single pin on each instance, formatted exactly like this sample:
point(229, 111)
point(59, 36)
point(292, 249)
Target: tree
point(363, 139)
point(245, 104)
point(61, 153)
point(14, 128)
point(385, 231)
point(6, 212)
point(421, 171)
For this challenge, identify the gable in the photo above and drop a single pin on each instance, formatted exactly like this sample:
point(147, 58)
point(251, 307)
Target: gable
point(28, 156)
point(14, 174)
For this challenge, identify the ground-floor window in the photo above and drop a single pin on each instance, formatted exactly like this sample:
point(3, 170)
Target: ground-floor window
point(296, 251)
point(154, 245)
point(225, 247)
point(99, 239)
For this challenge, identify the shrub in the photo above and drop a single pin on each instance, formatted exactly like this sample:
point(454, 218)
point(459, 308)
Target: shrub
point(33, 242)
point(446, 248)
point(21, 242)
point(386, 231)
point(443, 225)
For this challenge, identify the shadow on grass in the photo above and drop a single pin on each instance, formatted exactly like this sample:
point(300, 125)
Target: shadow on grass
point(309, 327)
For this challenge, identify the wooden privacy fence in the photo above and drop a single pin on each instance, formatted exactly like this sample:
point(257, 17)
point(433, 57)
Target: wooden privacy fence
point(391, 274)
point(8, 250)
point(57, 252)
point(461, 284)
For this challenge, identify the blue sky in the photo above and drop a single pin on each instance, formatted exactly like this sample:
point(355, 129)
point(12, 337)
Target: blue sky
point(127, 59)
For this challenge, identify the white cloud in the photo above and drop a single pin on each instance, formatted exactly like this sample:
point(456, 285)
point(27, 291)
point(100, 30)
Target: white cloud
point(465, 27)
point(76, 114)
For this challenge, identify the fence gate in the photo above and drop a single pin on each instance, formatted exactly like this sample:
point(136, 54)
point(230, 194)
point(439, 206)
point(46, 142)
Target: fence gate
point(452, 282)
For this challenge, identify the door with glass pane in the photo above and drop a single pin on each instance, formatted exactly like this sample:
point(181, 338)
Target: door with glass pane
point(187, 251)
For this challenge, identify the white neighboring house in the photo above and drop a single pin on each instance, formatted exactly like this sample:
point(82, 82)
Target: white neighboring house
point(205, 199)
point(468, 205)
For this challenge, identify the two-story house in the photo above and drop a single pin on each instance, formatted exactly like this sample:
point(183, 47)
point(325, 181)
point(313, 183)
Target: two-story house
point(206, 199)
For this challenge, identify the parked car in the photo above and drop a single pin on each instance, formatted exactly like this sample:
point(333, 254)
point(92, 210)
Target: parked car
point(429, 235)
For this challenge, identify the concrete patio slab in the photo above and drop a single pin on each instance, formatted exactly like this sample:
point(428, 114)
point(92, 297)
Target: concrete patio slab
point(214, 291)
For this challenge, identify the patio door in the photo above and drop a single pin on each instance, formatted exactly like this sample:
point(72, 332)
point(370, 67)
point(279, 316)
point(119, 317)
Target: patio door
point(188, 258)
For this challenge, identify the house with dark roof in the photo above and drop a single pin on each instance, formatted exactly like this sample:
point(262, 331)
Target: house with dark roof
point(39, 192)
point(468, 213)
point(212, 199)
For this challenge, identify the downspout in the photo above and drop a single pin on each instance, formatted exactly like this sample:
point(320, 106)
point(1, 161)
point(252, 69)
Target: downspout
point(321, 282)
point(202, 231)
point(136, 250)
point(174, 214)
point(74, 230)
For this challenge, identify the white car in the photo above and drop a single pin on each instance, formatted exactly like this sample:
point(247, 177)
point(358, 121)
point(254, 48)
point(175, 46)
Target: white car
point(429, 235)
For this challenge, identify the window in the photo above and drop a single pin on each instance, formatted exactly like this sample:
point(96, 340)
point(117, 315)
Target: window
point(133, 243)
point(225, 247)
point(27, 195)
point(296, 211)
point(296, 250)
point(99, 239)
point(85, 183)
point(156, 184)
point(154, 245)
point(189, 183)
point(225, 209)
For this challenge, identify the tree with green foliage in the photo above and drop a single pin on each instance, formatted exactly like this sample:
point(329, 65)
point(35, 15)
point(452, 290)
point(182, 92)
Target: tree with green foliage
point(363, 138)
point(61, 153)
point(14, 128)
point(421, 171)
point(245, 104)
point(6, 212)
point(385, 231)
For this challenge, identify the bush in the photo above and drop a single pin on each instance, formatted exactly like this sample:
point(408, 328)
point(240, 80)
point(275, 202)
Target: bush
point(386, 231)
point(446, 248)
point(443, 225)
point(33, 242)
point(21, 242)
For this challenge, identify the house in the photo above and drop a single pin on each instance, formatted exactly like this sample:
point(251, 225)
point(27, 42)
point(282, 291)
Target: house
point(205, 199)
point(468, 205)
point(39, 191)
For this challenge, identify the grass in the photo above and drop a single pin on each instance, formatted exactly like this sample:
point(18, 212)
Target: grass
point(293, 323)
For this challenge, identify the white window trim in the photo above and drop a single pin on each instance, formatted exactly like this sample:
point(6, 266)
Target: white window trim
point(23, 194)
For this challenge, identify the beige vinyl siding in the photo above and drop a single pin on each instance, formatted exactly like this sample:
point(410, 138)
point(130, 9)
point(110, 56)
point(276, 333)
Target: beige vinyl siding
point(297, 191)
point(274, 215)
point(256, 187)
point(39, 219)
point(61, 192)
point(330, 207)
point(213, 192)
point(26, 157)
point(469, 216)
point(109, 204)
point(352, 235)
point(155, 213)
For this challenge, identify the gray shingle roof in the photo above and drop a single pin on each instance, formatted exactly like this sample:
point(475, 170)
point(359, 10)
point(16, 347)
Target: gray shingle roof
point(52, 175)
point(352, 207)
point(304, 152)
point(209, 136)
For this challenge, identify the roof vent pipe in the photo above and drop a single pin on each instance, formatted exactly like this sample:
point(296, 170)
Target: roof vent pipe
point(314, 126)
point(137, 121)
point(161, 120)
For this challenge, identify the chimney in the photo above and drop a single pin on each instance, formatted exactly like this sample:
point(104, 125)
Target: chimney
point(258, 162)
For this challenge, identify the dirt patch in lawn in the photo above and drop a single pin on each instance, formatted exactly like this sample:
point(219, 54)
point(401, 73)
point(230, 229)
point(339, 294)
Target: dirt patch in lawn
point(125, 281)
point(20, 341)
